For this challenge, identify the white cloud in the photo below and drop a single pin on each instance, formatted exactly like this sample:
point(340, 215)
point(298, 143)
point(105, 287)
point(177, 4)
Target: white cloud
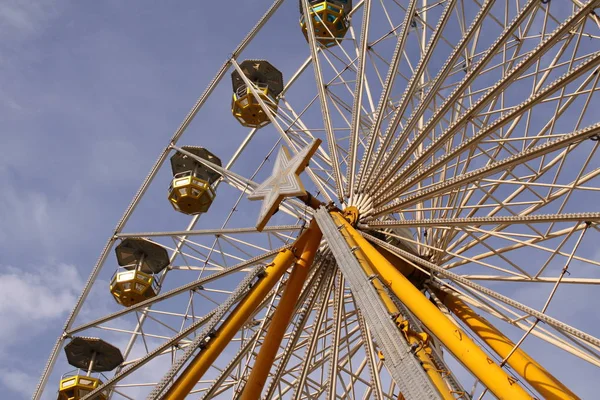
point(30, 299)
point(23, 17)
point(17, 380)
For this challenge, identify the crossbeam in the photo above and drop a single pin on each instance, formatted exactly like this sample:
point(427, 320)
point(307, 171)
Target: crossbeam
point(454, 339)
point(186, 381)
point(537, 376)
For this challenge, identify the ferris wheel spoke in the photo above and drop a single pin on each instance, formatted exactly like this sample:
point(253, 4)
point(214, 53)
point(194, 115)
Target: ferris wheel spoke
point(371, 357)
point(332, 145)
point(415, 260)
point(493, 92)
point(296, 120)
point(404, 100)
point(498, 310)
point(383, 103)
point(492, 168)
point(493, 220)
point(300, 382)
point(338, 305)
point(210, 232)
point(400, 182)
point(218, 386)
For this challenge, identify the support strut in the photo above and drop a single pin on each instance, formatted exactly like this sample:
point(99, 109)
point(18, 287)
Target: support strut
point(472, 357)
point(237, 318)
point(419, 341)
point(541, 380)
point(281, 319)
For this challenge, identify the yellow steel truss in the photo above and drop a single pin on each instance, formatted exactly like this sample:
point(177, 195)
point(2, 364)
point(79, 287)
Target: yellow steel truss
point(423, 352)
point(540, 379)
point(388, 278)
point(281, 319)
point(456, 341)
point(238, 317)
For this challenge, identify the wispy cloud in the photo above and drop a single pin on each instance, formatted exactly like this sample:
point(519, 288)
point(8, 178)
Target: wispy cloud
point(31, 298)
point(16, 380)
point(25, 17)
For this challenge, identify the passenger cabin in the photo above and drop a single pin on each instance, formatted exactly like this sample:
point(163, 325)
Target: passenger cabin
point(140, 260)
point(330, 20)
point(91, 356)
point(191, 190)
point(268, 82)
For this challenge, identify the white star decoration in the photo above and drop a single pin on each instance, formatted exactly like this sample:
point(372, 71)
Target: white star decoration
point(283, 182)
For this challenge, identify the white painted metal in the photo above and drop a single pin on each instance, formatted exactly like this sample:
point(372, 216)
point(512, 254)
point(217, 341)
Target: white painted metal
point(479, 166)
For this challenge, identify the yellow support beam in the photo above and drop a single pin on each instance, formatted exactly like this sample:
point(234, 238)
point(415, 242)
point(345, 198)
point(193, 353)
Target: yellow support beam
point(423, 352)
point(281, 319)
point(541, 380)
point(456, 341)
point(237, 318)
point(412, 337)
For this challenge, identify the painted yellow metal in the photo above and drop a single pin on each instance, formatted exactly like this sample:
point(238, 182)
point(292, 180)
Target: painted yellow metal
point(456, 341)
point(538, 377)
point(75, 387)
point(351, 214)
point(190, 194)
point(328, 18)
point(420, 340)
point(414, 275)
point(131, 287)
point(237, 318)
point(281, 319)
point(246, 109)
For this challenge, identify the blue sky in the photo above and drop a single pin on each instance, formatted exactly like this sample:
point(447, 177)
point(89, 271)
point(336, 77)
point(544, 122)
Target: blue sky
point(90, 93)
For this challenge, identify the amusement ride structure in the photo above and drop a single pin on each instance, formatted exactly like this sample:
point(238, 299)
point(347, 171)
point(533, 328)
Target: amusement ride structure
point(410, 213)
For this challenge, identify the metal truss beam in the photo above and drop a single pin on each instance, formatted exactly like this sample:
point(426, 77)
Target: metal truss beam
point(331, 142)
point(358, 99)
point(401, 182)
point(402, 364)
point(478, 221)
point(492, 168)
point(431, 267)
point(537, 376)
point(201, 232)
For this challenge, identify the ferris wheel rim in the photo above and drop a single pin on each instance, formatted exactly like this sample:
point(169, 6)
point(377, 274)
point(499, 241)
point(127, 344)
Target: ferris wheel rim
point(350, 189)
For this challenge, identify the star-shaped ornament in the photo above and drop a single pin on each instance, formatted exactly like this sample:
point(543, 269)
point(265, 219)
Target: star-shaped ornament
point(283, 182)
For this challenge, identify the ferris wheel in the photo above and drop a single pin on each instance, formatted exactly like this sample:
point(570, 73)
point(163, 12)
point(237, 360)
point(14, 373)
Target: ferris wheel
point(410, 212)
